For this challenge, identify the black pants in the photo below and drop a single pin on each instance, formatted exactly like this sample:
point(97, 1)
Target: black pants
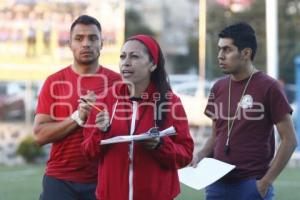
point(55, 189)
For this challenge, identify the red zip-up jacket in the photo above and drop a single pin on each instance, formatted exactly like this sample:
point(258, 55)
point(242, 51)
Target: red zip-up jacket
point(128, 171)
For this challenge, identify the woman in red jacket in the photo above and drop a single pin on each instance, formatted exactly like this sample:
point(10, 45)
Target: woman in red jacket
point(139, 170)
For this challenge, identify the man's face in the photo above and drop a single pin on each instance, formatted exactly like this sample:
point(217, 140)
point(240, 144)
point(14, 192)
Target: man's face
point(229, 57)
point(85, 44)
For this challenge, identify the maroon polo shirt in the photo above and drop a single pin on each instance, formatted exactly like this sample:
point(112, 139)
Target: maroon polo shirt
point(252, 142)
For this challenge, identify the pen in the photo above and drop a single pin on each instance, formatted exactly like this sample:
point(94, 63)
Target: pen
point(91, 104)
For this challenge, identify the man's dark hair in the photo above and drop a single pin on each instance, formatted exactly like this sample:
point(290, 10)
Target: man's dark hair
point(243, 36)
point(86, 20)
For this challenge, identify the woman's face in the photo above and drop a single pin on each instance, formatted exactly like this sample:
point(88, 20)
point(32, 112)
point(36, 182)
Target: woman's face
point(135, 64)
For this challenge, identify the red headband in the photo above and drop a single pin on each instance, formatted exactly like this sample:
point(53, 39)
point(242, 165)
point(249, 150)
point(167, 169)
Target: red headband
point(150, 43)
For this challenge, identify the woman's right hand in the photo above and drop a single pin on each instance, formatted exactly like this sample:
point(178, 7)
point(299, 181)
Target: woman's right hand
point(102, 120)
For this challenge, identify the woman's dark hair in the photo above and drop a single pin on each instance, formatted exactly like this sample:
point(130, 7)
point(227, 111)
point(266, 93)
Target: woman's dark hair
point(160, 78)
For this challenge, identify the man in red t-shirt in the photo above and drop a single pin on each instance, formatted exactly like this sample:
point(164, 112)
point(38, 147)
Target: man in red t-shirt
point(244, 107)
point(69, 175)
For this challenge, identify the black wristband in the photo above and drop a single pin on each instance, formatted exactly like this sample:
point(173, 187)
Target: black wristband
point(161, 142)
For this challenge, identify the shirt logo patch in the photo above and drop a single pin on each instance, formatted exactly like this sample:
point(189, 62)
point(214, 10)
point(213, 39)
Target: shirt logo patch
point(246, 102)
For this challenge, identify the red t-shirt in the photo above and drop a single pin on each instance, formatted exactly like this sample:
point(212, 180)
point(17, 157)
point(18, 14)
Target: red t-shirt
point(252, 142)
point(59, 99)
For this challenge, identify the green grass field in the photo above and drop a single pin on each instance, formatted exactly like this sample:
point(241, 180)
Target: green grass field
point(24, 183)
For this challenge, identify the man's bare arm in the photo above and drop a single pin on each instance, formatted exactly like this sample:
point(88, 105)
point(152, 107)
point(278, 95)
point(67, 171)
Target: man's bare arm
point(286, 148)
point(46, 130)
point(207, 149)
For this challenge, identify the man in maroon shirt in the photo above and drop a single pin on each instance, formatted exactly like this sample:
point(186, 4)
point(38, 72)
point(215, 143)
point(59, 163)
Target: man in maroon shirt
point(69, 174)
point(244, 107)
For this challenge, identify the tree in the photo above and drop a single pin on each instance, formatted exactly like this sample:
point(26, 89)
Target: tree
point(184, 63)
point(29, 150)
point(289, 45)
point(218, 17)
point(135, 24)
point(288, 26)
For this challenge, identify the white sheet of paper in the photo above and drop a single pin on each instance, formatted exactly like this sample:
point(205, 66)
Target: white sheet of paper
point(207, 172)
point(144, 136)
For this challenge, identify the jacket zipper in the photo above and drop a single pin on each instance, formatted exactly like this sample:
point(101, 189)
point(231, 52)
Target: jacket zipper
point(132, 128)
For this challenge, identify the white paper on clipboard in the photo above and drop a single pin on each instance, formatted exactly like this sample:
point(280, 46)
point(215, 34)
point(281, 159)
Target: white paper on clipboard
point(144, 136)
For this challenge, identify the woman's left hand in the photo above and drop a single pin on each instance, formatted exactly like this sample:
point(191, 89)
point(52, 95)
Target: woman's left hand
point(151, 143)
